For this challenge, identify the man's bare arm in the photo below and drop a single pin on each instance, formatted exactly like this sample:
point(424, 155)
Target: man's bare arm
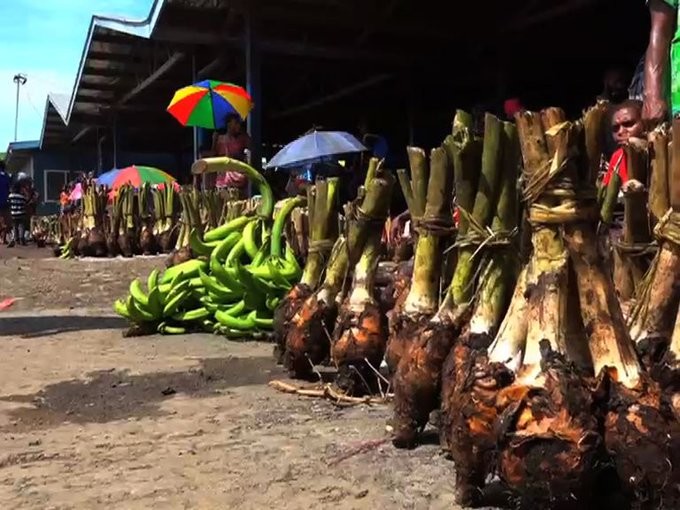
point(663, 21)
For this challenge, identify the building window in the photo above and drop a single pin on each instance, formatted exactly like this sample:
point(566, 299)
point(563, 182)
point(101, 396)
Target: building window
point(55, 180)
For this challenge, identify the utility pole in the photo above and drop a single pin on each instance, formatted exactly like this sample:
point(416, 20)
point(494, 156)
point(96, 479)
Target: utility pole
point(19, 79)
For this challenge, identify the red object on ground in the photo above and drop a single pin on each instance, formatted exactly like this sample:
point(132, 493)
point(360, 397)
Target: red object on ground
point(6, 303)
point(618, 160)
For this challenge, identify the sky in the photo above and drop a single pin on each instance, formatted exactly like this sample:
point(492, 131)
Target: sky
point(44, 40)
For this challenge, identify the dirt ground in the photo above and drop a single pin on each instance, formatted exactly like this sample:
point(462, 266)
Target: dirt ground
point(89, 419)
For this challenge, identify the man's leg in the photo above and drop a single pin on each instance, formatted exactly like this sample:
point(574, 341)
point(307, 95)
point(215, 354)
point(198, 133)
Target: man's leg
point(5, 226)
point(21, 229)
point(15, 233)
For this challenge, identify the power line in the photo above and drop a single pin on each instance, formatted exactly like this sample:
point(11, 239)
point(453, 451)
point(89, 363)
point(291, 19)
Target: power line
point(30, 102)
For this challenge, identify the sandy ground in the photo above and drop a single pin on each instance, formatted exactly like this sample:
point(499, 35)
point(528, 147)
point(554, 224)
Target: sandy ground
point(89, 419)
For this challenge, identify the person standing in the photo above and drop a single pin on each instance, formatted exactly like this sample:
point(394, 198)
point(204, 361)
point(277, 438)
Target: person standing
point(376, 144)
point(17, 209)
point(32, 201)
point(5, 218)
point(233, 143)
point(661, 95)
point(614, 86)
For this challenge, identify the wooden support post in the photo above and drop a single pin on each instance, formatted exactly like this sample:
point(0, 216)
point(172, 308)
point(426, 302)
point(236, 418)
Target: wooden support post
point(254, 87)
point(193, 80)
point(115, 140)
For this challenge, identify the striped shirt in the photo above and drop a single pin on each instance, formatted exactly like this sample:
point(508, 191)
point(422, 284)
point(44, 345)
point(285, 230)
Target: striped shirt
point(17, 205)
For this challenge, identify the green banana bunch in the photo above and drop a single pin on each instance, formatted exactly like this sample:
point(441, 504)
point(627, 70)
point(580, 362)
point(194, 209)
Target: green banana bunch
point(167, 307)
point(241, 274)
point(262, 281)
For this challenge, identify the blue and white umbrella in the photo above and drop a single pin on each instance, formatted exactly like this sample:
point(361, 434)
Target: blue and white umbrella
point(315, 147)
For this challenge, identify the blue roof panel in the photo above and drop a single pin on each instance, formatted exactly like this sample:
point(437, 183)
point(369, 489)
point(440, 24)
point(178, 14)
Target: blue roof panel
point(23, 146)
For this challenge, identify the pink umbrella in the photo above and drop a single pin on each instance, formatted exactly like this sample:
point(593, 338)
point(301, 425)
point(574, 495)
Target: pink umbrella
point(77, 193)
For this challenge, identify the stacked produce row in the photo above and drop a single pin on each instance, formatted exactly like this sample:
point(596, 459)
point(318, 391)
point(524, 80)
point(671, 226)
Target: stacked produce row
point(509, 323)
point(234, 280)
point(144, 221)
point(542, 385)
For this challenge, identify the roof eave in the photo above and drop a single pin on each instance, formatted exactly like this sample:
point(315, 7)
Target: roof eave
point(139, 28)
point(44, 122)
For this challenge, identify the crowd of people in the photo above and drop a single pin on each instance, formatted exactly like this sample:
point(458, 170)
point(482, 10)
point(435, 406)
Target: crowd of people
point(18, 204)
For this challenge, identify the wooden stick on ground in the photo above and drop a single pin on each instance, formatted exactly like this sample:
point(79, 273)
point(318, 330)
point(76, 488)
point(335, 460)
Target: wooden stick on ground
point(327, 392)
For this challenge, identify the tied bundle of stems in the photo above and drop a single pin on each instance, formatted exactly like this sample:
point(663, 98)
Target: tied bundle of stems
point(479, 271)
point(653, 316)
point(429, 199)
point(307, 338)
point(655, 320)
point(634, 251)
point(147, 238)
point(472, 379)
point(115, 220)
point(360, 334)
point(127, 227)
point(322, 204)
point(546, 432)
point(190, 220)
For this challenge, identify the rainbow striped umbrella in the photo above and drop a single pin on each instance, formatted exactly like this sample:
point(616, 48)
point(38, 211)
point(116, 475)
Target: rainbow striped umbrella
point(207, 103)
point(136, 175)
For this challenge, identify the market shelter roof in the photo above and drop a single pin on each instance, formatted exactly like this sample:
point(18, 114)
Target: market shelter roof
point(314, 52)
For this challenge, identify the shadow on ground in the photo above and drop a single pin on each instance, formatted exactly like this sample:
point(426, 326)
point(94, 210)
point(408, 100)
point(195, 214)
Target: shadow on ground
point(35, 326)
point(114, 395)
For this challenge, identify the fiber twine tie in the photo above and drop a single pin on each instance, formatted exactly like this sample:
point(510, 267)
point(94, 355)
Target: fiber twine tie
point(483, 237)
point(635, 249)
point(537, 182)
point(439, 227)
point(569, 211)
point(361, 217)
point(668, 227)
point(322, 246)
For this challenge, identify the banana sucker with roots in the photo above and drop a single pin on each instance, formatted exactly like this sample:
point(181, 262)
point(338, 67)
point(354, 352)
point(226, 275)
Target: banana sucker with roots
point(554, 400)
point(428, 196)
point(308, 339)
point(485, 269)
point(322, 206)
point(189, 221)
point(360, 333)
point(127, 229)
point(148, 242)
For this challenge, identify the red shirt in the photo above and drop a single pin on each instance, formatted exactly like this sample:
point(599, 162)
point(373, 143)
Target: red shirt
point(618, 161)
